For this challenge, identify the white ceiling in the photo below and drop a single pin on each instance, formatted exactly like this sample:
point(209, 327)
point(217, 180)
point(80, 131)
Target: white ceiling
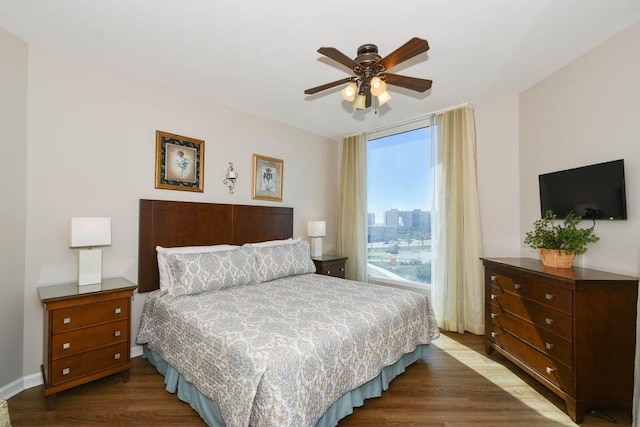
point(260, 55)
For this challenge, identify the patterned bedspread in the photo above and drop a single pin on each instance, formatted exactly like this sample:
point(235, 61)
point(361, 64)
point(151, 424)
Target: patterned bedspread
point(280, 353)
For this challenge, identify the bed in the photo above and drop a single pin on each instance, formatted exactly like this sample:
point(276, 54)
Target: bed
point(248, 335)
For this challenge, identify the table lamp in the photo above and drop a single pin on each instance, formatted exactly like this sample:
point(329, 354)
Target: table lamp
point(88, 233)
point(316, 230)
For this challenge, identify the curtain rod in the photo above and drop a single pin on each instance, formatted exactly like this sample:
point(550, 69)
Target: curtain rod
point(416, 119)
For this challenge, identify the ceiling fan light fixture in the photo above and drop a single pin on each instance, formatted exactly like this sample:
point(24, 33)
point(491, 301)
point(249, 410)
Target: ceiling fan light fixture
point(360, 102)
point(349, 92)
point(383, 98)
point(378, 86)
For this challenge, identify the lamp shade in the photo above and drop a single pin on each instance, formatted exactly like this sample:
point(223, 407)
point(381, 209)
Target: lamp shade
point(317, 228)
point(349, 92)
point(88, 232)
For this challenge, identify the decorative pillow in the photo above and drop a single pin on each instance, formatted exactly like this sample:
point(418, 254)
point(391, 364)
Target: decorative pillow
point(166, 279)
point(195, 273)
point(274, 243)
point(279, 261)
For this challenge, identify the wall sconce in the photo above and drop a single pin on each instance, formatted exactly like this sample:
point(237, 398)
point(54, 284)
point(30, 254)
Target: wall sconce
point(230, 178)
point(316, 230)
point(89, 233)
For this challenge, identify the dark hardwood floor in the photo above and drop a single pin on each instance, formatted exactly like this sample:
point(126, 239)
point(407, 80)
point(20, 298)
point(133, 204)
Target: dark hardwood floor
point(456, 385)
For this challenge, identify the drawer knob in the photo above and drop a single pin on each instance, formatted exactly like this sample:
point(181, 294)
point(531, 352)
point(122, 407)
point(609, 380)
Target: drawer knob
point(66, 371)
point(548, 296)
point(66, 320)
point(549, 346)
point(494, 315)
point(517, 286)
point(116, 356)
point(118, 310)
point(493, 278)
point(342, 269)
point(116, 334)
point(328, 272)
point(494, 296)
point(548, 320)
point(66, 346)
point(494, 334)
point(549, 370)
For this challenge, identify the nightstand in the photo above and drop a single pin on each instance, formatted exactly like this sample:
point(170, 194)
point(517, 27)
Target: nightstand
point(86, 333)
point(330, 265)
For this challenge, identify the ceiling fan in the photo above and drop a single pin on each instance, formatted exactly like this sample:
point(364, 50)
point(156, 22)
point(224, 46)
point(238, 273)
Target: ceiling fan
point(370, 73)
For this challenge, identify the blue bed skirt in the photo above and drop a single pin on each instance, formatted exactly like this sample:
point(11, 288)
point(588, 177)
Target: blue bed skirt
point(210, 413)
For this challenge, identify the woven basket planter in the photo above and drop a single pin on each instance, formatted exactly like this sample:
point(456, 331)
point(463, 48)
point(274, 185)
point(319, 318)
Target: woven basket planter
point(556, 258)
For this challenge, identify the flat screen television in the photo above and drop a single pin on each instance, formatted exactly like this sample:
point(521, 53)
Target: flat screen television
point(593, 192)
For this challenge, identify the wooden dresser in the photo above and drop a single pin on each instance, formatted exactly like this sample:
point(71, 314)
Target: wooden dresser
point(572, 329)
point(86, 333)
point(330, 265)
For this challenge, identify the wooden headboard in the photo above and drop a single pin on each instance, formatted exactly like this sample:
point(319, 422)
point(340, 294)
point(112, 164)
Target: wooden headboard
point(170, 224)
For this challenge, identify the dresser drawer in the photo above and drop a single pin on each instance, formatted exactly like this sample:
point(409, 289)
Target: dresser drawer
point(79, 340)
point(554, 371)
point(548, 343)
point(554, 296)
point(519, 285)
point(68, 319)
point(546, 318)
point(81, 364)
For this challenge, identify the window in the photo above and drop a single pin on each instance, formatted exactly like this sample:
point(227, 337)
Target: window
point(400, 196)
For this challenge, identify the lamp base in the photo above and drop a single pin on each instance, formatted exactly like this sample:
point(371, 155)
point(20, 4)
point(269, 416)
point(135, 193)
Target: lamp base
point(89, 267)
point(316, 246)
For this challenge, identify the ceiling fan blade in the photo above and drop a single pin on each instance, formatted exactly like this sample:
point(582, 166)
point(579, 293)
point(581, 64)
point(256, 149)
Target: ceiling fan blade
point(413, 83)
point(326, 86)
point(412, 48)
point(336, 55)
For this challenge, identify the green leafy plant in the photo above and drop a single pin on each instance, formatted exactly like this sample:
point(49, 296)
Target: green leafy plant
point(549, 233)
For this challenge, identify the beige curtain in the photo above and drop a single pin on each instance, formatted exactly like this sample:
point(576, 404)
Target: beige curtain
point(352, 209)
point(458, 289)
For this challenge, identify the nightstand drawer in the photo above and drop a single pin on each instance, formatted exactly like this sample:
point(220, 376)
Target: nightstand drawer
point(68, 319)
point(335, 270)
point(70, 343)
point(329, 265)
point(81, 364)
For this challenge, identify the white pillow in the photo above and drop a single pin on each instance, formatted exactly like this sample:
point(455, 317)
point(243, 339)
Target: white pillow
point(274, 243)
point(166, 278)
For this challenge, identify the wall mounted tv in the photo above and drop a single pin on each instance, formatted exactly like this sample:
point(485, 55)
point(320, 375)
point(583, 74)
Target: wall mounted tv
point(594, 191)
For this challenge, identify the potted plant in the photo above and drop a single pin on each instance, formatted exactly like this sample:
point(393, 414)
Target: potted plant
point(559, 242)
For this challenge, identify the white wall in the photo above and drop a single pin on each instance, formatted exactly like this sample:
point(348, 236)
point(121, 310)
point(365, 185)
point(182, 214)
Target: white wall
point(13, 184)
point(91, 152)
point(498, 186)
point(587, 113)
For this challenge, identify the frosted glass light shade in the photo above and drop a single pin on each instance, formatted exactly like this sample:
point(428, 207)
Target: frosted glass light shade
point(349, 92)
point(360, 102)
point(377, 86)
point(89, 232)
point(383, 98)
point(317, 228)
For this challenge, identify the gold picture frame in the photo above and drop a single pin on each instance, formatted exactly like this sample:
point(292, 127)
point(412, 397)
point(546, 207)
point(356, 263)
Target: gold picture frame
point(179, 162)
point(267, 178)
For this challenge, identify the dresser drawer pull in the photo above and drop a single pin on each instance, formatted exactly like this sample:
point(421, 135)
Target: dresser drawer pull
point(493, 278)
point(66, 346)
point(118, 310)
point(550, 370)
point(518, 286)
point(116, 356)
point(66, 371)
point(549, 346)
point(342, 269)
point(494, 316)
point(116, 334)
point(494, 334)
point(328, 272)
point(548, 296)
point(66, 320)
point(548, 320)
point(494, 296)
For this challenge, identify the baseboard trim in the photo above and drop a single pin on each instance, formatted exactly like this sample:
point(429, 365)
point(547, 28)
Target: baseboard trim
point(34, 380)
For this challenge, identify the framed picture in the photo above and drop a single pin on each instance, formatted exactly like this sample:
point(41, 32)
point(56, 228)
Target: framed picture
point(267, 178)
point(179, 162)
